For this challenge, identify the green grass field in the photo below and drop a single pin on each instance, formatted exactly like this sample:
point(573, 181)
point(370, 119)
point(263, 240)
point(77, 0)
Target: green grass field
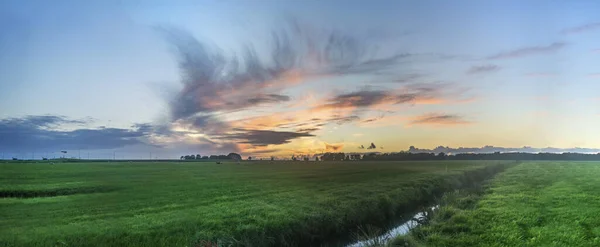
point(532, 204)
point(181, 204)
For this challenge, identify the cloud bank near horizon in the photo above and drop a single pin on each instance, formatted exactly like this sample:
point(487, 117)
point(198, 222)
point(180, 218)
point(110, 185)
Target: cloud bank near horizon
point(492, 149)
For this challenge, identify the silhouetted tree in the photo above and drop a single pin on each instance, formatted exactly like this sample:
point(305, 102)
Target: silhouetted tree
point(441, 155)
point(234, 156)
point(198, 156)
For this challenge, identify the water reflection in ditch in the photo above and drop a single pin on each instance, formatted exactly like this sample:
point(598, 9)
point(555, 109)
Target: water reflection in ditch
point(402, 229)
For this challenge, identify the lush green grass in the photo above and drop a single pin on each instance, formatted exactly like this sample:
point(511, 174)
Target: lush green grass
point(175, 204)
point(532, 204)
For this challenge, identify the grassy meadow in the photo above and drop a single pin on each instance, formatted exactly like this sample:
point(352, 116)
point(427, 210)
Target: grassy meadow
point(532, 204)
point(185, 204)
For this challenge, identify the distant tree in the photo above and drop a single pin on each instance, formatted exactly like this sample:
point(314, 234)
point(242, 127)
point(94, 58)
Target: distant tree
point(347, 157)
point(294, 158)
point(249, 158)
point(205, 157)
point(234, 156)
point(356, 157)
point(15, 159)
point(441, 155)
point(316, 158)
point(182, 157)
point(333, 157)
point(272, 158)
point(213, 157)
point(198, 156)
point(306, 158)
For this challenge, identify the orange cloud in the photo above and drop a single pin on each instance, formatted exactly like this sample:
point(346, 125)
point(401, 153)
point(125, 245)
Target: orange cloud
point(438, 119)
point(265, 122)
point(333, 147)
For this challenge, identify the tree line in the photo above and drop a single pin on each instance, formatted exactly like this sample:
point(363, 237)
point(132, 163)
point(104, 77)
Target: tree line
point(400, 156)
point(230, 156)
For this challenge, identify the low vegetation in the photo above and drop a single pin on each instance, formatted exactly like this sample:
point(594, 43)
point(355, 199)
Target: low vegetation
point(192, 204)
point(532, 204)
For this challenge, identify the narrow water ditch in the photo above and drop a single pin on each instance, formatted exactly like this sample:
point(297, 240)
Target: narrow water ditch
point(471, 180)
point(400, 230)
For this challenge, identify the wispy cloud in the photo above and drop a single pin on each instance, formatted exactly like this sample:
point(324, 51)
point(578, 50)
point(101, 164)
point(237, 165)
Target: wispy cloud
point(438, 119)
point(215, 83)
point(583, 28)
point(269, 98)
point(528, 51)
point(540, 74)
point(366, 98)
point(481, 69)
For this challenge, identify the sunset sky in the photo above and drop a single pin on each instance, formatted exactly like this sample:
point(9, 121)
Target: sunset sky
point(275, 78)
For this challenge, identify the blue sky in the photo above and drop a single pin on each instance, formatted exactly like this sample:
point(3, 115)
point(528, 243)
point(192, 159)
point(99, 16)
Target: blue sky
point(503, 73)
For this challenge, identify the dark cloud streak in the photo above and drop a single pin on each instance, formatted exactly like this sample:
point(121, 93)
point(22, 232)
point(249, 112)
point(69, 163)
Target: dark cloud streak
point(440, 119)
point(483, 69)
point(263, 137)
point(43, 133)
point(580, 29)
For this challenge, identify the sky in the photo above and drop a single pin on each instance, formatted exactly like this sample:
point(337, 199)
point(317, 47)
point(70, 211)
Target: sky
point(267, 78)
